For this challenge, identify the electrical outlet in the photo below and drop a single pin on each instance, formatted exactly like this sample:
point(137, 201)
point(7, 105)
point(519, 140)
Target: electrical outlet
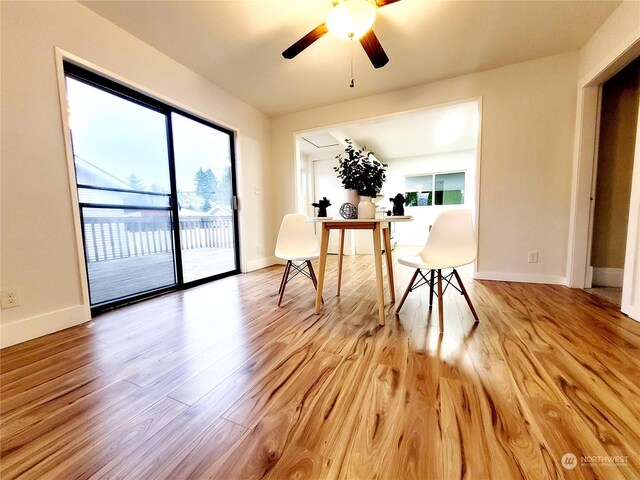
point(10, 298)
point(532, 257)
point(259, 249)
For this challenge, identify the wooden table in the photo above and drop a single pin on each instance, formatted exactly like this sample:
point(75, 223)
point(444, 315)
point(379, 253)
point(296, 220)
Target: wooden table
point(376, 225)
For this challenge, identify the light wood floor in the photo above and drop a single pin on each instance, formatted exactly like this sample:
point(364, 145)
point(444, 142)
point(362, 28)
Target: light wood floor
point(217, 382)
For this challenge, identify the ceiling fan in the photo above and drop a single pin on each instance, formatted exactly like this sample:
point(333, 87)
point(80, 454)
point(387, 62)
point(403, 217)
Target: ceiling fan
point(349, 19)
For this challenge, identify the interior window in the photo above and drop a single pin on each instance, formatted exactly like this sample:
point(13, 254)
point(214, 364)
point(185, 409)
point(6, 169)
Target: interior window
point(418, 190)
point(434, 189)
point(449, 188)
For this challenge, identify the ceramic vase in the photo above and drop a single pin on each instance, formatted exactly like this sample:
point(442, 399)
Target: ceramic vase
point(366, 208)
point(353, 197)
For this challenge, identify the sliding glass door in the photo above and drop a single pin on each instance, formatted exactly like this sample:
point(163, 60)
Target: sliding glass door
point(155, 190)
point(205, 198)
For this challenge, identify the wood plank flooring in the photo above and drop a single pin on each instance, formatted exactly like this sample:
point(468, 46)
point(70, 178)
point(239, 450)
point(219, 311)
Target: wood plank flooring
point(218, 382)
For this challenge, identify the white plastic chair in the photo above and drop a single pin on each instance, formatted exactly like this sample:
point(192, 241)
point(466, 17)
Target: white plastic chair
point(451, 243)
point(298, 245)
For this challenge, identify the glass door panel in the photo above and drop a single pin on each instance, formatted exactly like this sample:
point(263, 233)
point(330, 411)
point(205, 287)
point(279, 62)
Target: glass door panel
point(121, 158)
point(117, 143)
point(128, 252)
point(204, 180)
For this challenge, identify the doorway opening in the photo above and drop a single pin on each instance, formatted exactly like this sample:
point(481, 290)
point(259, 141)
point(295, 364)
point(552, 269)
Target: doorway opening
point(611, 192)
point(156, 192)
point(432, 158)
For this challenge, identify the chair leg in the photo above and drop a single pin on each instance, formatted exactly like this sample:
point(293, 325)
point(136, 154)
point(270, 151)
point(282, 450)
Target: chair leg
point(431, 289)
point(283, 284)
point(440, 303)
point(284, 277)
point(406, 292)
point(466, 296)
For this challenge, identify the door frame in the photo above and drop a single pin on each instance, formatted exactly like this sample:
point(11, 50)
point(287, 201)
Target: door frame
point(583, 178)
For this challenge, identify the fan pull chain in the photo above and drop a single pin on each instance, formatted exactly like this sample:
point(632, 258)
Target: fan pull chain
point(352, 84)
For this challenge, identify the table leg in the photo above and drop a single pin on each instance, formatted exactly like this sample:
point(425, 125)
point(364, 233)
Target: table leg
point(431, 287)
point(377, 253)
point(386, 233)
point(440, 304)
point(340, 254)
point(324, 246)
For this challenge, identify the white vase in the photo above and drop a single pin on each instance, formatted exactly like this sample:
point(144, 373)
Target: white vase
point(366, 208)
point(353, 197)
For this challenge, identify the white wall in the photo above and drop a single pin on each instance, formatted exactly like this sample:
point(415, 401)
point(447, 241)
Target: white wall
point(415, 233)
point(39, 250)
point(621, 28)
point(528, 114)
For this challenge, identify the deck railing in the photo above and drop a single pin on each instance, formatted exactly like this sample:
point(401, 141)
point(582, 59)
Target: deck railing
point(108, 238)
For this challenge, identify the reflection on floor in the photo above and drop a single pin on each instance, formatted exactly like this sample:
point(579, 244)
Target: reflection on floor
point(612, 294)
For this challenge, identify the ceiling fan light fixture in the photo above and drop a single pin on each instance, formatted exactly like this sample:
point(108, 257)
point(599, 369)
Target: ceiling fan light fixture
point(351, 19)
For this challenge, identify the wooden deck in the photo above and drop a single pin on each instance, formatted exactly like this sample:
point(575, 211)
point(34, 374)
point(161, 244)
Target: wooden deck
point(117, 278)
point(218, 382)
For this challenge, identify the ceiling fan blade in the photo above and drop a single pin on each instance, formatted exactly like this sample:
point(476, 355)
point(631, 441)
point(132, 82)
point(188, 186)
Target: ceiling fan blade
point(374, 50)
point(382, 3)
point(305, 41)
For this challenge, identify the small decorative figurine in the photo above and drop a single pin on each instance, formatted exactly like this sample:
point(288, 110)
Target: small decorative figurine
point(322, 206)
point(398, 205)
point(348, 211)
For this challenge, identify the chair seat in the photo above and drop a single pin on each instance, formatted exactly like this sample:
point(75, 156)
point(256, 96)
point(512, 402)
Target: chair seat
point(299, 258)
point(416, 261)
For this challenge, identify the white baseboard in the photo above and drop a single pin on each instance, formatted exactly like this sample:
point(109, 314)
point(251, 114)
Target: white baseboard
point(40, 325)
point(521, 277)
point(260, 263)
point(607, 277)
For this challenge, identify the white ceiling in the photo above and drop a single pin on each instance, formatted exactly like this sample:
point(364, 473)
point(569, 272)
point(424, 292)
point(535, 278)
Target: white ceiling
point(237, 44)
point(420, 133)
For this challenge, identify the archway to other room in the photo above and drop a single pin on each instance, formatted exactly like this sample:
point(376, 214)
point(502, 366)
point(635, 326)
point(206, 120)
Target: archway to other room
point(432, 157)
